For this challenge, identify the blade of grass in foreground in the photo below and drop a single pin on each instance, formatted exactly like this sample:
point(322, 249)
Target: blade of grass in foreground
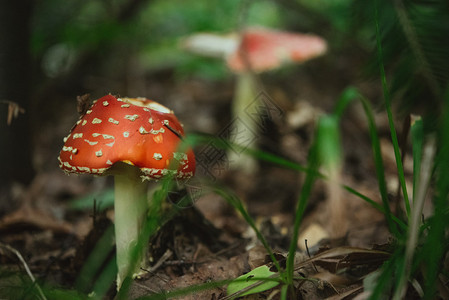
point(415, 217)
point(417, 133)
point(394, 139)
point(436, 243)
point(347, 96)
point(96, 260)
point(237, 204)
point(300, 208)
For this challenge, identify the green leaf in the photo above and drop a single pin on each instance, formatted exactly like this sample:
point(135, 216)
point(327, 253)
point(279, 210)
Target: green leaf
point(247, 282)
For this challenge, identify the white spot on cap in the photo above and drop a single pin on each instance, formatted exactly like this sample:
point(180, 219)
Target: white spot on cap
point(126, 134)
point(131, 117)
point(143, 177)
point(66, 138)
point(113, 121)
point(108, 162)
point(99, 153)
point(77, 135)
point(89, 112)
point(125, 105)
point(75, 151)
point(84, 169)
point(96, 134)
point(90, 143)
point(157, 156)
point(180, 156)
point(84, 122)
point(105, 103)
point(96, 121)
point(142, 130)
point(158, 107)
point(161, 130)
point(151, 120)
point(165, 122)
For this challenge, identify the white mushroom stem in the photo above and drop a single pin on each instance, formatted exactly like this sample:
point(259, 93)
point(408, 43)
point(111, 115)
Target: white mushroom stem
point(130, 209)
point(246, 122)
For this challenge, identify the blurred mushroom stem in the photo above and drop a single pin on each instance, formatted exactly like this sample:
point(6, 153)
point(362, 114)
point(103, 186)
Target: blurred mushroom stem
point(130, 207)
point(337, 207)
point(245, 131)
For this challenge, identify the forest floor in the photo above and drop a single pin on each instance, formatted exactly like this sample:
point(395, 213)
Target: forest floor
point(210, 241)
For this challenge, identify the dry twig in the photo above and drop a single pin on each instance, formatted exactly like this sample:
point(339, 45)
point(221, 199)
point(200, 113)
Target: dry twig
point(27, 269)
point(13, 110)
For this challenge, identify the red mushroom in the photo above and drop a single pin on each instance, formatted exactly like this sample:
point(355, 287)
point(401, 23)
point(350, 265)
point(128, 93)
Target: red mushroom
point(257, 50)
point(263, 49)
point(134, 139)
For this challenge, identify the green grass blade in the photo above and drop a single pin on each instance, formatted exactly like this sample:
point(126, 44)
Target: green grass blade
point(106, 279)
point(347, 96)
point(233, 200)
point(423, 183)
point(417, 133)
point(300, 208)
point(351, 94)
point(387, 100)
point(384, 280)
point(96, 260)
point(437, 243)
point(380, 170)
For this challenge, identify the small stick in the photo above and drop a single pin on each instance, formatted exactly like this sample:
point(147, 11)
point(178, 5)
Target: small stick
point(159, 263)
point(13, 110)
point(174, 131)
point(308, 253)
point(27, 269)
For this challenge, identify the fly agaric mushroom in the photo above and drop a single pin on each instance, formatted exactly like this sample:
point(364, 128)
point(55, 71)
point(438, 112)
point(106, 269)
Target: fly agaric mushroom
point(133, 139)
point(254, 51)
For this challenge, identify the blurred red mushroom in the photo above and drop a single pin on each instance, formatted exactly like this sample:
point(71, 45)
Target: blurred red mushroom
point(263, 49)
point(133, 139)
point(254, 51)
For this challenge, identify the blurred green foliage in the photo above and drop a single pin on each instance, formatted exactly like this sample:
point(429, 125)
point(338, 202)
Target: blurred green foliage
point(152, 33)
point(415, 50)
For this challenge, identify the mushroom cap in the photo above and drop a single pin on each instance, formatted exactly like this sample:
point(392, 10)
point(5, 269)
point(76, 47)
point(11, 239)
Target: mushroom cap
point(263, 49)
point(136, 131)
